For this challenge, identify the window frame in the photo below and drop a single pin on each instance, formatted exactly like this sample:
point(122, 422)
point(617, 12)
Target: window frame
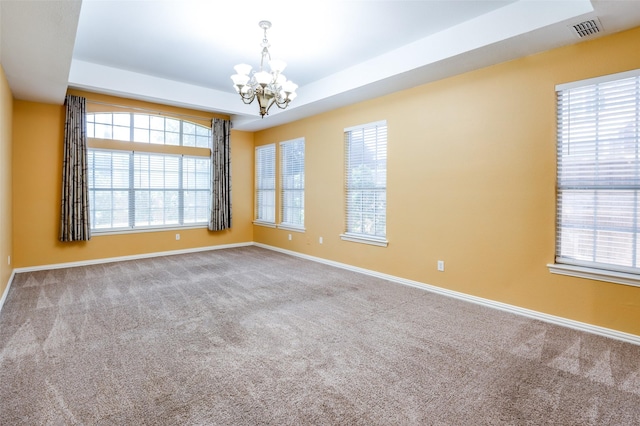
point(350, 185)
point(573, 266)
point(286, 189)
point(265, 185)
point(133, 152)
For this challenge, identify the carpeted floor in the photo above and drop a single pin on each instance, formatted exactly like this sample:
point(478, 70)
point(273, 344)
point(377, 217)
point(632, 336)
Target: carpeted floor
point(248, 336)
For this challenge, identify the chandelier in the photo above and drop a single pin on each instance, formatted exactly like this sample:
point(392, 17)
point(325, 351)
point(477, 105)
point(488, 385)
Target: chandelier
point(268, 87)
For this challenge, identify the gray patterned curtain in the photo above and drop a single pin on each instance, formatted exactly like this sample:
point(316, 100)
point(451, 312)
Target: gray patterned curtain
point(74, 217)
point(220, 217)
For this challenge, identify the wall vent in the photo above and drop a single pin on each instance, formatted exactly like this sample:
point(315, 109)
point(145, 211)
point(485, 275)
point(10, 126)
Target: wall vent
point(587, 28)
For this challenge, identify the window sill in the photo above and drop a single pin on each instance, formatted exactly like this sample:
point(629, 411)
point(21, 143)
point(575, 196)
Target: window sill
point(595, 274)
point(363, 239)
point(293, 228)
point(265, 224)
point(99, 232)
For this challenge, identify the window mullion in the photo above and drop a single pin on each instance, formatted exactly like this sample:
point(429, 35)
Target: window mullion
point(92, 191)
point(636, 176)
point(131, 127)
point(132, 202)
point(180, 191)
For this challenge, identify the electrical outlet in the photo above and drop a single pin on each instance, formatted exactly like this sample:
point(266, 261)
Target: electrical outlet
point(441, 265)
point(8, 260)
point(177, 237)
point(289, 237)
point(320, 240)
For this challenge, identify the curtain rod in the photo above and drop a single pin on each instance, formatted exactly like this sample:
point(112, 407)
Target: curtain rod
point(148, 110)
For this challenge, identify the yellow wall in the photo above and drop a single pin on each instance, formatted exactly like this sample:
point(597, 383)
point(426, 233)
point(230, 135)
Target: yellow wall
point(471, 181)
point(37, 179)
point(6, 109)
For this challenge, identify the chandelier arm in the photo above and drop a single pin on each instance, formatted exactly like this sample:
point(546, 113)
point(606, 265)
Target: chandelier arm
point(249, 99)
point(284, 104)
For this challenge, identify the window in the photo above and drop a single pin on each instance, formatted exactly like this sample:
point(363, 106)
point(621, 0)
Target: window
point(598, 184)
point(136, 189)
point(366, 183)
point(266, 184)
point(292, 184)
point(147, 129)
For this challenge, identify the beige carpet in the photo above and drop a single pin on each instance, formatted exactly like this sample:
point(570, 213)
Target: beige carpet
point(248, 336)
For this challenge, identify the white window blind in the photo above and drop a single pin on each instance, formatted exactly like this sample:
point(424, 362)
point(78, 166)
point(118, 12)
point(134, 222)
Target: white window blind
point(292, 183)
point(366, 181)
point(133, 190)
point(598, 165)
point(109, 189)
point(196, 189)
point(266, 183)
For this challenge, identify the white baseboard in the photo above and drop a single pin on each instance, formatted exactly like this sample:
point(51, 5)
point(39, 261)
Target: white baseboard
point(6, 290)
point(132, 257)
point(565, 322)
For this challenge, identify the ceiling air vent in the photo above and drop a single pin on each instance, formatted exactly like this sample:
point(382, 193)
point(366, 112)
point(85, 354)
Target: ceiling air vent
point(587, 28)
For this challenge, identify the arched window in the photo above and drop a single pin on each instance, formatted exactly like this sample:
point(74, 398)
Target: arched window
point(145, 128)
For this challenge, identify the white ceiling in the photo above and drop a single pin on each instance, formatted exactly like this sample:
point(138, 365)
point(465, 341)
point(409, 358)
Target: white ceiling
point(182, 52)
